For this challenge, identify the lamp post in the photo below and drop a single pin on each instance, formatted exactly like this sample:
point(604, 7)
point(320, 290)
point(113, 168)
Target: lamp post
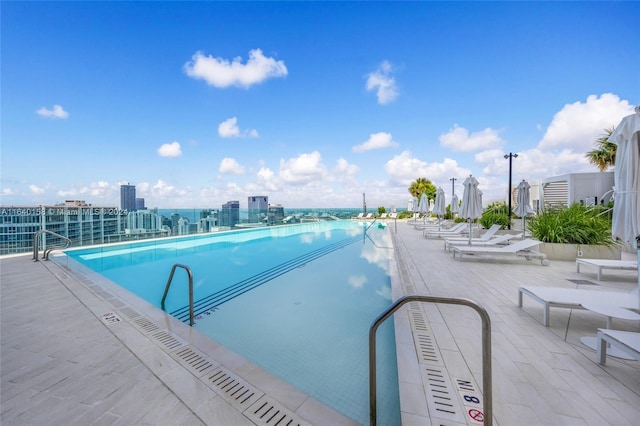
point(453, 186)
point(510, 156)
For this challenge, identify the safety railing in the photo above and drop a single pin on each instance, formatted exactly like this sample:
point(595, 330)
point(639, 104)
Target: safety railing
point(166, 289)
point(486, 349)
point(47, 250)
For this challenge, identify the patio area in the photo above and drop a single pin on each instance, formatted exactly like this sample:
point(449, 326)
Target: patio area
point(75, 353)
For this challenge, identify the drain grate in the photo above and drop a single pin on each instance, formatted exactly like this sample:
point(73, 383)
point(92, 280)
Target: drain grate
point(129, 312)
point(102, 293)
point(268, 412)
point(167, 341)
point(233, 389)
point(428, 352)
point(145, 325)
point(194, 361)
point(442, 401)
point(417, 320)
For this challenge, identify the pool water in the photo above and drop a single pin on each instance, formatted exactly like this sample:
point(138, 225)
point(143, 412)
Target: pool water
point(297, 301)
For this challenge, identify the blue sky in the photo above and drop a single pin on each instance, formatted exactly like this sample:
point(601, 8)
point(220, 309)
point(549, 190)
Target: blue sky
point(310, 103)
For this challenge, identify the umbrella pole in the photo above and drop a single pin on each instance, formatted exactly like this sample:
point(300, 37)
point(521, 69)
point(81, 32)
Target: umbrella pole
point(469, 231)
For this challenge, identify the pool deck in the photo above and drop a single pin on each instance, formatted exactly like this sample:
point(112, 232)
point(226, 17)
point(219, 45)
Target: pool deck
point(73, 352)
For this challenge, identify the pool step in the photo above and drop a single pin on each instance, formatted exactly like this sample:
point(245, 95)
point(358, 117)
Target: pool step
point(216, 299)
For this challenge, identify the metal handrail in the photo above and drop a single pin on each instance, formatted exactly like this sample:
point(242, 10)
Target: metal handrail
point(486, 349)
point(45, 253)
point(166, 289)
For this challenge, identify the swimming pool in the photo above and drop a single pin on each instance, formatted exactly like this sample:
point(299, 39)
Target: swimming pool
point(296, 300)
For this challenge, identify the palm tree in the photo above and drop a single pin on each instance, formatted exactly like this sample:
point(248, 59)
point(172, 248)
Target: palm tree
point(604, 155)
point(423, 186)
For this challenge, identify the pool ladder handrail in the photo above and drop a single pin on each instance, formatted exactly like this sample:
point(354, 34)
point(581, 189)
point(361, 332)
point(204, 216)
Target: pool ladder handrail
point(166, 289)
point(486, 350)
point(45, 253)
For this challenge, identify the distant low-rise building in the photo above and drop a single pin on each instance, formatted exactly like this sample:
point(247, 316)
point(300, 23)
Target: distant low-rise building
point(585, 188)
point(82, 223)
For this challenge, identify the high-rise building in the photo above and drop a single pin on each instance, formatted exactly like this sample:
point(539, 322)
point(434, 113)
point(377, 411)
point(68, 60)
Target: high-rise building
point(258, 208)
point(143, 221)
point(230, 214)
point(276, 214)
point(140, 204)
point(128, 197)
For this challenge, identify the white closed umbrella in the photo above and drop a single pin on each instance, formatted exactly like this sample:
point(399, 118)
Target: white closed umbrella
point(626, 179)
point(423, 206)
point(523, 209)
point(471, 201)
point(455, 207)
point(439, 206)
point(410, 206)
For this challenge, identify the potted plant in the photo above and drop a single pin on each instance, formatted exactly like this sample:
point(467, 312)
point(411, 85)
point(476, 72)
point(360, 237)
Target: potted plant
point(574, 231)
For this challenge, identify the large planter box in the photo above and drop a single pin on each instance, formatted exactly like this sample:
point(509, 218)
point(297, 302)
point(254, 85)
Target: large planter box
point(556, 251)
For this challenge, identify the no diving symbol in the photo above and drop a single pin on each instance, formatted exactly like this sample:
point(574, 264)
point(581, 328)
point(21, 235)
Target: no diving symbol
point(476, 415)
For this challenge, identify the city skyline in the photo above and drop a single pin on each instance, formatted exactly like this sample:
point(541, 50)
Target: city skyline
point(311, 103)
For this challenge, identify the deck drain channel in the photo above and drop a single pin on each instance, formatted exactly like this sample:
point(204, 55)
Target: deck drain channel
point(145, 325)
point(167, 341)
point(231, 388)
point(198, 364)
point(268, 412)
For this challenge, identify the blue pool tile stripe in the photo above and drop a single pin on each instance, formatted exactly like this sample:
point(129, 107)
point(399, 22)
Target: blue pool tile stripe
point(218, 298)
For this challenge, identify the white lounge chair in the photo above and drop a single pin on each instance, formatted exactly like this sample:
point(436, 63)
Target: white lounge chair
point(360, 216)
point(521, 248)
point(616, 302)
point(449, 243)
point(625, 341)
point(486, 235)
point(453, 231)
point(601, 264)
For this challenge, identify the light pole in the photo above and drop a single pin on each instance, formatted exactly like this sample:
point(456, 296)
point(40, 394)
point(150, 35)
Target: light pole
point(453, 186)
point(510, 156)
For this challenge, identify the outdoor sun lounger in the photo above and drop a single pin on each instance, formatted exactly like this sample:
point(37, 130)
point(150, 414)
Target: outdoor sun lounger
point(601, 264)
point(626, 341)
point(449, 243)
point(521, 248)
point(609, 303)
point(486, 236)
point(453, 231)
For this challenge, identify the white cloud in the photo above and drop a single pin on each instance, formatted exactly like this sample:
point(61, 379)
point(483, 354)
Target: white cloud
point(221, 73)
point(302, 169)
point(376, 141)
point(459, 139)
point(345, 169)
point(382, 81)
point(170, 150)
point(229, 129)
point(403, 169)
point(56, 112)
point(8, 191)
point(265, 178)
point(578, 125)
point(357, 281)
point(230, 166)
point(36, 189)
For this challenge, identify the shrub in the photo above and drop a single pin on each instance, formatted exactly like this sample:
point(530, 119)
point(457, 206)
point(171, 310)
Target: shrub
point(573, 225)
point(496, 213)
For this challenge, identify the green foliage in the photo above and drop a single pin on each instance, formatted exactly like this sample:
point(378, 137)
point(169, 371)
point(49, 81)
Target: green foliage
point(575, 224)
point(495, 213)
point(423, 186)
point(381, 210)
point(405, 215)
point(604, 155)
